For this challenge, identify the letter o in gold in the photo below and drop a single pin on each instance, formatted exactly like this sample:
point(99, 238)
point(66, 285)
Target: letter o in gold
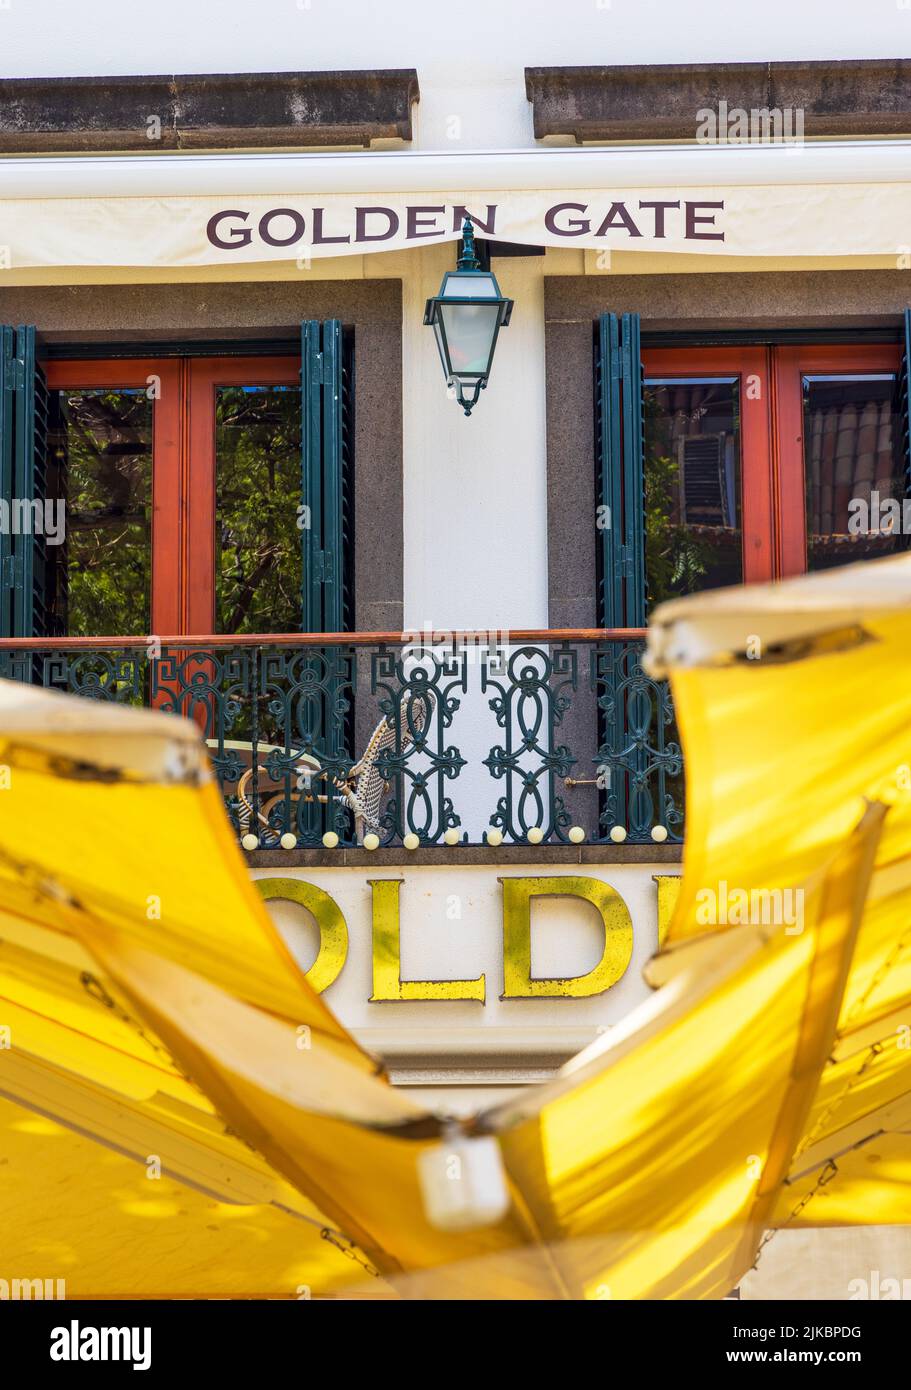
point(333, 931)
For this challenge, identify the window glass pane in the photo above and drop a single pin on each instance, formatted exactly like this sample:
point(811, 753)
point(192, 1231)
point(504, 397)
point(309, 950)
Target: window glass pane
point(853, 469)
point(100, 463)
point(693, 536)
point(257, 495)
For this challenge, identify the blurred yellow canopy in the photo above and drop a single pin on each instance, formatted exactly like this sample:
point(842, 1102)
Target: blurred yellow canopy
point(794, 703)
point(149, 1002)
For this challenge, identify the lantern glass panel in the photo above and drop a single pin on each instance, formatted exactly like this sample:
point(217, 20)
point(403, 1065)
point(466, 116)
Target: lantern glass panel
point(441, 346)
point(470, 331)
point(470, 285)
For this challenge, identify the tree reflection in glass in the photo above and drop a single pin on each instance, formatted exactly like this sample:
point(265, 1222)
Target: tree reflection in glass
point(693, 535)
point(257, 496)
point(100, 464)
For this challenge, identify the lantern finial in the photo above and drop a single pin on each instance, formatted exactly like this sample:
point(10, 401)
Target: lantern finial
point(468, 258)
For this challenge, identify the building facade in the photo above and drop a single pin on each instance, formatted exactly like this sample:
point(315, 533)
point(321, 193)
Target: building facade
point(226, 438)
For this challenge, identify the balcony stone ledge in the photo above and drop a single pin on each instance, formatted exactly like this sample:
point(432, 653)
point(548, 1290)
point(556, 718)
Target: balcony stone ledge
point(504, 856)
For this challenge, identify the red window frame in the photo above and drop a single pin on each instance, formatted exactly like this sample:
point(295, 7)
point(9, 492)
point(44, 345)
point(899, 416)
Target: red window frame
point(206, 375)
point(183, 466)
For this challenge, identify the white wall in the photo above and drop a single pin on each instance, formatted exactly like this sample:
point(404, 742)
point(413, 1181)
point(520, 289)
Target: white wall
point(470, 61)
point(476, 487)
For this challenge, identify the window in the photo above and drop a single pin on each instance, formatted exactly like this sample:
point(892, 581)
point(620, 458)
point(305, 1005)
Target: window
point(737, 464)
point(257, 507)
point(199, 494)
point(692, 464)
point(706, 469)
point(841, 424)
point(111, 465)
point(100, 466)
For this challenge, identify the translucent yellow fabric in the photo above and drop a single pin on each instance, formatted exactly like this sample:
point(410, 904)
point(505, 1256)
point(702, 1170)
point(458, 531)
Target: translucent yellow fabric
point(783, 749)
point(670, 1146)
point(74, 1210)
point(152, 1003)
point(137, 954)
point(213, 1217)
point(131, 827)
point(348, 1140)
point(78, 1050)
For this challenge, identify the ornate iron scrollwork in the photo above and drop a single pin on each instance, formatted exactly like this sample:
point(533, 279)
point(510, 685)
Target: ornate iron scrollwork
point(284, 725)
point(416, 696)
point(640, 762)
point(530, 704)
point(306, 738)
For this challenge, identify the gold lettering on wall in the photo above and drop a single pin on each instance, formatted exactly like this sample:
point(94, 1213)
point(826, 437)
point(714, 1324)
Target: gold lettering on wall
point(387, 962)
point(333, 931)
point(618, 937)
point(668, 892)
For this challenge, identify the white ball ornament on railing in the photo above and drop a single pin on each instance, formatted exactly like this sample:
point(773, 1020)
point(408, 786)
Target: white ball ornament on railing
point(659, 833)
point(371, 841)
point(330, 839)
point(250, 842)
point(495, 838)
point(451, 836)
point(618, 834)
point(411, 841)
point(535, 835)
point(576, 834)
point(288, 840)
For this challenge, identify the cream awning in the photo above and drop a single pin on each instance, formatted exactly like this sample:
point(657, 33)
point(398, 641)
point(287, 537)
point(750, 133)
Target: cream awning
point(828, 199)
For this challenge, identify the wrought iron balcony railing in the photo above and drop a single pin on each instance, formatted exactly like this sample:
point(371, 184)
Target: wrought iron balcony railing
point(523, 737)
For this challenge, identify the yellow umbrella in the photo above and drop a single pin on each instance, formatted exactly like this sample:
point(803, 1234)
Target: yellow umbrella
point(742, 1038)
point(113, 1221)
point(75, 1211)
point(117, 811)
point(648, 1168)
point(117, 885)
point(671, 1141)
point(795, 708)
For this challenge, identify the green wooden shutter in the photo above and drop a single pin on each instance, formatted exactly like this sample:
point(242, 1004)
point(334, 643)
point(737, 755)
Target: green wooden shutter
point(346, 481)
point(621, 576)
point(327, 557)
point(7, 416)
point(633, 474)
point(24, 568)
point(32, 570)
point(326, 478)
point(609, 471)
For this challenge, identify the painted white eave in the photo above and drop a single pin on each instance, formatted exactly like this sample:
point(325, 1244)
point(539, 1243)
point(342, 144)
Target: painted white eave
point(495, 171)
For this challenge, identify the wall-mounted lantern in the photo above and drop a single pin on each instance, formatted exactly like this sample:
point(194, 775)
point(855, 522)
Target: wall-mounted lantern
point(466, 317)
